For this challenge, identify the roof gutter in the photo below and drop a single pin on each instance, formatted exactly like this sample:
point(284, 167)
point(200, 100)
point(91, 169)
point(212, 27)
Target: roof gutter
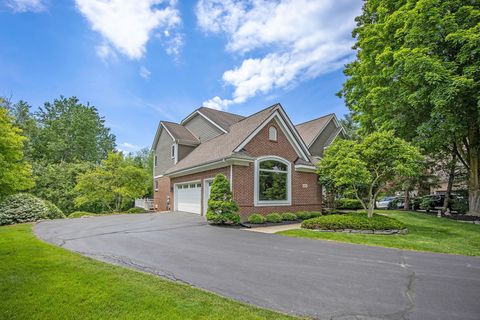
point(220, 163)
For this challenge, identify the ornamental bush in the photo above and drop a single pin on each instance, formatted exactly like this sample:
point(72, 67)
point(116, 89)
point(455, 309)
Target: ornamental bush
point(79, 214)
point(256, 218)
point(355, 221)
point(314, 214)
point(274, 217)
point(136, 210)
point(303, 215)
point(221, 207)
point(24, 207)
point(349, 204)
point(288, 216)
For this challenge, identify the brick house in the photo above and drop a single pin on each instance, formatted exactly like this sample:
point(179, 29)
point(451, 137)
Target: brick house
point(269, 162)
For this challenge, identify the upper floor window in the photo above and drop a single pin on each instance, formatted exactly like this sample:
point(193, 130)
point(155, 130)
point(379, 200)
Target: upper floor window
point(173, 151)
point(272, 181)
point(155, 160)
point(272, 133)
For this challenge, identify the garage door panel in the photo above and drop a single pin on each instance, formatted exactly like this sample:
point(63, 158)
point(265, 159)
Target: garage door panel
point(189, 198)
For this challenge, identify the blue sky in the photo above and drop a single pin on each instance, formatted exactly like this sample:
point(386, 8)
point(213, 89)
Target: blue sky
point(141, 61)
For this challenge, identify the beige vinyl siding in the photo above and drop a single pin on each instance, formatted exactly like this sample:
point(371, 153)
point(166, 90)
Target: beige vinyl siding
point(316, 149)
point(202, 128)
point(183, 151)
point(162, 151)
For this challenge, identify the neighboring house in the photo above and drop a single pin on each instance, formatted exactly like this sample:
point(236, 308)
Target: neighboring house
point(270, 162)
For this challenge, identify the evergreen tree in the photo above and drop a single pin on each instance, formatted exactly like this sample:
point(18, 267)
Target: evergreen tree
point(221, 206)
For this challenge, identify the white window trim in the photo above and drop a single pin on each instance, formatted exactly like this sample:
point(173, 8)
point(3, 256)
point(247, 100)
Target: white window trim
point(174, 156)
point(264, 203)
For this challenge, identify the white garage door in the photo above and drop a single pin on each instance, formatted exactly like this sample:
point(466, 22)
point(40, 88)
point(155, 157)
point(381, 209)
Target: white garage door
point(189, 197)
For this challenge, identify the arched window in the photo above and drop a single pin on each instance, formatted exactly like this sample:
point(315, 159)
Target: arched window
point(272, 133)
point(272, 181)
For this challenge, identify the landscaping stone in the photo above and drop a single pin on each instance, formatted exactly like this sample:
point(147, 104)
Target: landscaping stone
point(384, 232)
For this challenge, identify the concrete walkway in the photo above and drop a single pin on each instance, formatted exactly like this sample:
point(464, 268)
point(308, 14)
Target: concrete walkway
point(274, 229)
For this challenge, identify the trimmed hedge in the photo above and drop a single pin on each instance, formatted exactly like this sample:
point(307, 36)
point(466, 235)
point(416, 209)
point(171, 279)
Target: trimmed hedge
point(303, 215)
point(256, 218)
point(314, 214)
point(349, 204)
point(24, 207)
point(355, 221)
point(288, 216)
point(274, 217)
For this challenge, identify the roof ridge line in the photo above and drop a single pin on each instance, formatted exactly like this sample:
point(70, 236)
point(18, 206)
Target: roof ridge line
point(327, 115)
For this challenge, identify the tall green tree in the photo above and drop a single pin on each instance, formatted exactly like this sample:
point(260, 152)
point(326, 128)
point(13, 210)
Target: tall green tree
point(143, 158)
point(418, 72)
point(71, 131)
point(56, 182)
point(113, 184)
point(15, 172)
point(364, 168)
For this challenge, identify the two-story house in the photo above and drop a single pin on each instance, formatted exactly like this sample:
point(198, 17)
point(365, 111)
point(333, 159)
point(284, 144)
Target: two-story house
point(269, 162)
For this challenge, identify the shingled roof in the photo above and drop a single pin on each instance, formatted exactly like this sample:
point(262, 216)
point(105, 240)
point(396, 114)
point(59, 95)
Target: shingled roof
point(222, 118)
point(180, 133)
point(309, 130)
point(223, 145)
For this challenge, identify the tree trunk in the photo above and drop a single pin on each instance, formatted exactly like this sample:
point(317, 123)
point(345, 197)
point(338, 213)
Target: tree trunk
point(474, 171)
point(451, 179)
point(371, 207)
point(406, 200)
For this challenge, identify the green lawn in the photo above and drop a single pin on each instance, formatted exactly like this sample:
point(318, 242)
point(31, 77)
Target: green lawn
point(41, 281)
point(426, 233)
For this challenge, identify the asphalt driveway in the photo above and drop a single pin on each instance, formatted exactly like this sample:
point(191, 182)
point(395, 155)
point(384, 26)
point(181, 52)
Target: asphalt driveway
point(321, 279)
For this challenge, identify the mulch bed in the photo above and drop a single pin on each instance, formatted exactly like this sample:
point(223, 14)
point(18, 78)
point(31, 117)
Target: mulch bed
point(269, 224)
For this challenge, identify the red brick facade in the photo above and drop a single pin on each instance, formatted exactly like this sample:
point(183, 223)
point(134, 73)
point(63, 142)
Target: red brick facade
point(306, 193)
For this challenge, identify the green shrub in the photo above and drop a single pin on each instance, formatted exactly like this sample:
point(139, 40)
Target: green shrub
point(427, 203)
point(53, 212)
point(303, 215)
point(79, 214)
point(24, 207)
point(136, 210)
point(460, 205)
point(274, 217)
point(356, 221)
point(314, 214)
point(256, 218)
point(349, 204)
point(288, 216)
point(221, 207)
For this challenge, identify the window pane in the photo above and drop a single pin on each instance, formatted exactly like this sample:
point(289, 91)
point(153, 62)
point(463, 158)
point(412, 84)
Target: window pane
point(273, 165)
point(272, 186)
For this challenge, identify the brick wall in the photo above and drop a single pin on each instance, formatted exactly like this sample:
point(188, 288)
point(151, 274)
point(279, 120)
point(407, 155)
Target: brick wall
point(306, 192)
point(161, 194)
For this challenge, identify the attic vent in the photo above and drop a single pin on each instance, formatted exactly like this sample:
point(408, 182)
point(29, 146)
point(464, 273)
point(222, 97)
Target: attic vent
point(272, 133)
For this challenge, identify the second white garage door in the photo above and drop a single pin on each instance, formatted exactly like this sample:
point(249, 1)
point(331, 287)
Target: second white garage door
point(189, 197)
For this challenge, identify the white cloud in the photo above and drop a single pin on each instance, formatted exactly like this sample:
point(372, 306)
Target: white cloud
point(128, 145)
point(26, 5)
point(301, 39)
point(127, 25)
point(144, 72)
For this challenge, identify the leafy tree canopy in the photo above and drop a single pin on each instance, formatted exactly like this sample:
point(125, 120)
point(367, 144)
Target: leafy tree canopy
point(364, 168)
point(418, 72)
point(15, 172)
point(113, 184)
